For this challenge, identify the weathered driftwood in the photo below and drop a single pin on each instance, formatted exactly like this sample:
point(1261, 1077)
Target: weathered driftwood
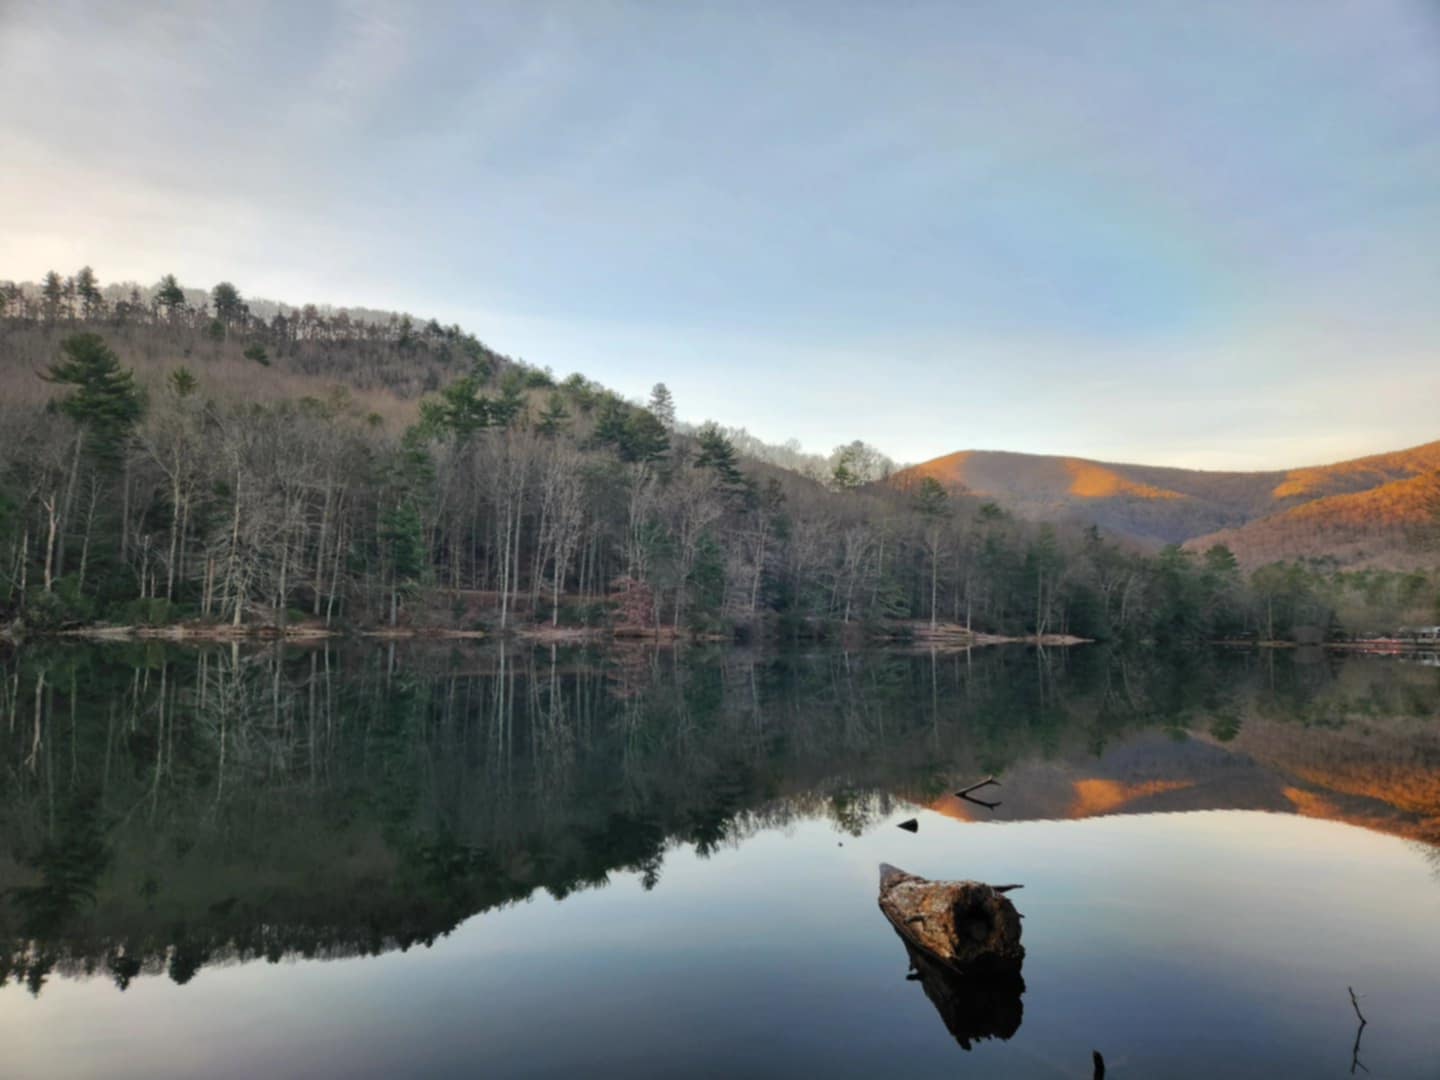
point(963, 942)
point(967, 927)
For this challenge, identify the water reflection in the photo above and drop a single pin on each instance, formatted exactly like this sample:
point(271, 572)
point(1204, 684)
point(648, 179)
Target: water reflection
point(972, 1007)
point(167, 810)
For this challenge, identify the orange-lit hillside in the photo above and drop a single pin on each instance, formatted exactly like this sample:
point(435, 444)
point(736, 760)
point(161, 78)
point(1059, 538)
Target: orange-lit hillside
point(1362, 474)
point(1369, 527)
point(1034, 476)
point(1089, 480)
point(1358, 510)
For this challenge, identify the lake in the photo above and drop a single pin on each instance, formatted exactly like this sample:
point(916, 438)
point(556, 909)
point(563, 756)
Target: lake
point(381, 859)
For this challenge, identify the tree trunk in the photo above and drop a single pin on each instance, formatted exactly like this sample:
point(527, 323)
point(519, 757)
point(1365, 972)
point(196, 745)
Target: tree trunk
point(335, 572)
point(124, 510)
point(24, 564)
point(65, 510)
point(85, 544)
point(51, 527)
point(232, 576)
point(934, 582)
point(281, 602)
point(320, 548)
point(760, 571)
point(174, 539)
point(504, 581)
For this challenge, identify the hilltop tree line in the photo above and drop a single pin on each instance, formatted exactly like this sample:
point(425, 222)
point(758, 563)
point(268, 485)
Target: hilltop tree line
point(399, 472)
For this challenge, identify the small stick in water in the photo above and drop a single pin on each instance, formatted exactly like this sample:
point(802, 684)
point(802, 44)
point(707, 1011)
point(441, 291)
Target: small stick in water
point(965, 794)
point(1355, 1062)
point(978, 785)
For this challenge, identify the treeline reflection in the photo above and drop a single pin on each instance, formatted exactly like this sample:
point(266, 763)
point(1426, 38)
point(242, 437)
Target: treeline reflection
point(166, 809)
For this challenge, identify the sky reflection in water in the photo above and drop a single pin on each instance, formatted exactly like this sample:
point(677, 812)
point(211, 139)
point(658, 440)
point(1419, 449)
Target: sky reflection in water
point(1211, 942)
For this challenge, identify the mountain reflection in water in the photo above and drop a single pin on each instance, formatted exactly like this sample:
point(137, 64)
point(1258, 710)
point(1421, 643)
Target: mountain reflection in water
point(165, 809)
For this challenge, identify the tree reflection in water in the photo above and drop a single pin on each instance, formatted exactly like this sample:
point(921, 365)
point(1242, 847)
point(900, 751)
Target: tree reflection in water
point(164, 809)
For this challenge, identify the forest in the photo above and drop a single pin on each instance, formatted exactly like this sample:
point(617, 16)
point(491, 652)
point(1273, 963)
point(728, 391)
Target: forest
point(171, 455)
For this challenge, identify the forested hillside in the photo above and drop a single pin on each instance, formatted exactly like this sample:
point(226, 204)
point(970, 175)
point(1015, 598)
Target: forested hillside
point(170, 455)
point(1358, 512)
point(1383, 526)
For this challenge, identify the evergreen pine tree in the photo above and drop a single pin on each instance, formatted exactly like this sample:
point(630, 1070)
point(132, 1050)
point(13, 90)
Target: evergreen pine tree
point(610, 422)
point(718, 454)
point(644, 437)
point(169, 296)
point(229, 307)
point(105, 402)
point(88, 291)
point(553, 420)
point(52, 296)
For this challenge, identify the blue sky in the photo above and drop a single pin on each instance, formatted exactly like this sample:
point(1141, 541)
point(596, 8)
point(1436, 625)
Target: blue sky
point(1192, 234)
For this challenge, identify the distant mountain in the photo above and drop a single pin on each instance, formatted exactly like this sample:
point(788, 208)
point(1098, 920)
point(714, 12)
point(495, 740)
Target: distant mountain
point(1360, 511)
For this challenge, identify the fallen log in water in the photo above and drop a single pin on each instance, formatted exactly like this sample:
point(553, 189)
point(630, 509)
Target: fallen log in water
point(966, 926)
point(963, 942)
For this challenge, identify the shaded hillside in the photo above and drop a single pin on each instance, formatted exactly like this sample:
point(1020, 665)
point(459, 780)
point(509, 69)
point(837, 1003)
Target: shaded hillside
point(1357, 509)
point(172, 456)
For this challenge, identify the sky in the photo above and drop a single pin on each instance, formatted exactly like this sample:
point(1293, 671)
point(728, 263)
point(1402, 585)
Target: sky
point(1197, 234)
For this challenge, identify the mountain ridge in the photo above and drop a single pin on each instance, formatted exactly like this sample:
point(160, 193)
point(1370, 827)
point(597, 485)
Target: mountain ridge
point(1358, 510)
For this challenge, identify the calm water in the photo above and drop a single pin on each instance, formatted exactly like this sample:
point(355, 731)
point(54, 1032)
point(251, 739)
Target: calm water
point(379, 861)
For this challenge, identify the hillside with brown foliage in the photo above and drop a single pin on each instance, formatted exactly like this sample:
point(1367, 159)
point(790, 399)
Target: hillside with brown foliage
point(1383, 527)
point(170, 457)
point(1361, 512)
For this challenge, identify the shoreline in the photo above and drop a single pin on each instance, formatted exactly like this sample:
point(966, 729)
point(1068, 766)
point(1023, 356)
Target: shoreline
point(897, 635)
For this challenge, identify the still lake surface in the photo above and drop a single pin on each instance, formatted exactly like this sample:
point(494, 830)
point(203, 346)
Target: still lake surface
point(382, 860)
